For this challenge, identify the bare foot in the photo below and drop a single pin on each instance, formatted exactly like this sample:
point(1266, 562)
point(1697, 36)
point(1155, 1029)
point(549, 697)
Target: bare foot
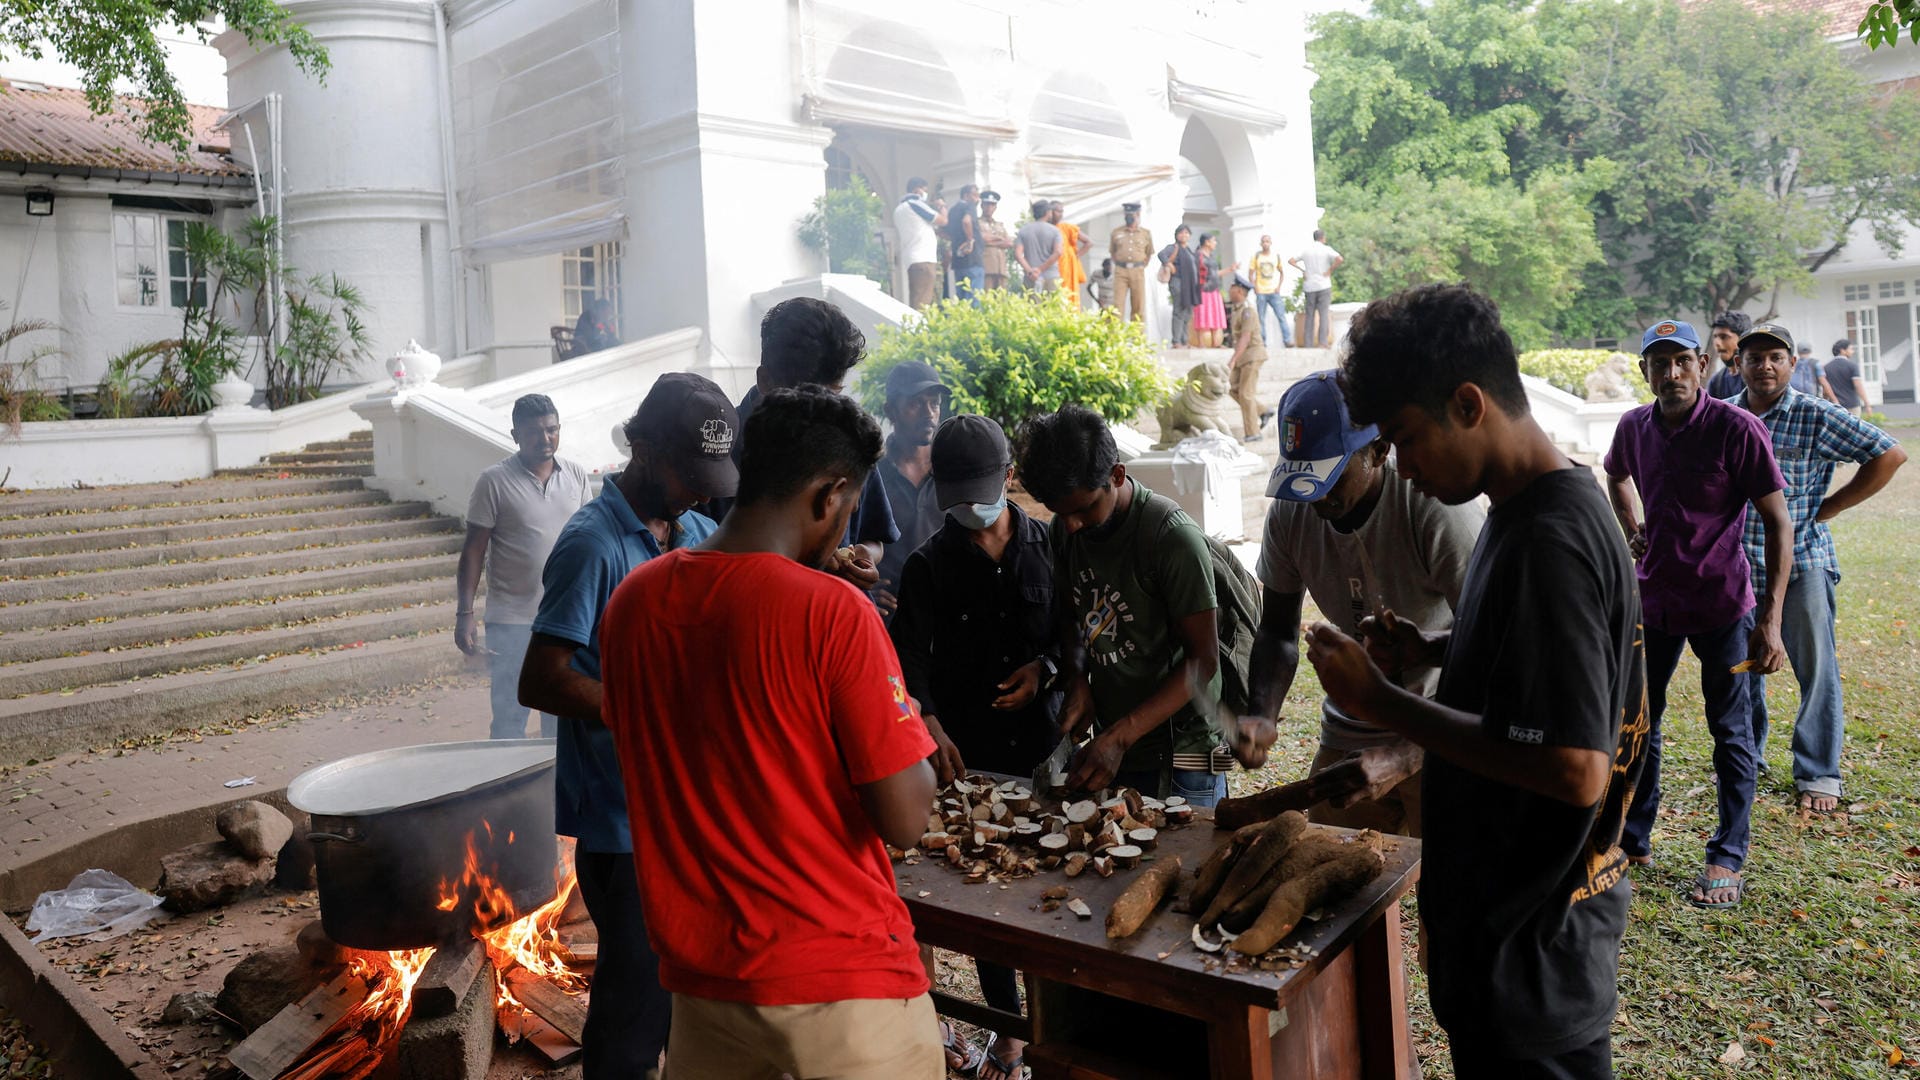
point(1725, 894)
point(1817, 802)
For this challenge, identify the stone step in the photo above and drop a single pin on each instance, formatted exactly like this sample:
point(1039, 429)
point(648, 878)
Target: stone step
point(94, 669)
point(43, 725)
point(178, 623)
point(87, 586)
point(184, 492)
point(264, 508)
point(87, 562)
point(359, 455)
point(238, 590)
point(354, 443)
point(180, 533)
point(285, 472)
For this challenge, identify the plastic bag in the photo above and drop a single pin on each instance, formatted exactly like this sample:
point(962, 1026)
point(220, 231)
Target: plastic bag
point(94, 902)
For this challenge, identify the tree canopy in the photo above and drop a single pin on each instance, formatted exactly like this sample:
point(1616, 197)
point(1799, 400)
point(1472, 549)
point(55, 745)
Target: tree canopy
point(1886, 19)
point(114, 40)
point(1592, 164)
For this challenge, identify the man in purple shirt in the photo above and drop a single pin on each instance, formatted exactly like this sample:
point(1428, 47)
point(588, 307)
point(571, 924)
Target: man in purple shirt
point(1696, 463)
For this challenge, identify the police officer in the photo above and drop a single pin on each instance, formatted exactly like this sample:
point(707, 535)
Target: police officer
point(995, 241)
point(1130, 246)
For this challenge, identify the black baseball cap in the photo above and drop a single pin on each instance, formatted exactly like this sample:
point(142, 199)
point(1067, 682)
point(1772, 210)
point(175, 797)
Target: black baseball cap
point(1771, 330)
point(687, 418)
point(912, 377)
point(970, 459)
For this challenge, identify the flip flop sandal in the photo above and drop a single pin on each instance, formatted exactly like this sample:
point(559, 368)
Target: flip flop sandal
point(954, 1045)
point(992, 1068)
point(1706, 885)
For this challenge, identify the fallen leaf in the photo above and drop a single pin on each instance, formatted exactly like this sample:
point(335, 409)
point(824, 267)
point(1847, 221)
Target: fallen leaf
point(1733, 1054)
point(1760, 1025)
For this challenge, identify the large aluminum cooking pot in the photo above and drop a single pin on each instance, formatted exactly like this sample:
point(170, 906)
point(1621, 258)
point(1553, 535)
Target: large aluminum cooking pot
point(391, 829)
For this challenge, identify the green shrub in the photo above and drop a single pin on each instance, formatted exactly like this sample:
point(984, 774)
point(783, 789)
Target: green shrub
point(1568, 369)
point(844, 225)
point(1017, 356)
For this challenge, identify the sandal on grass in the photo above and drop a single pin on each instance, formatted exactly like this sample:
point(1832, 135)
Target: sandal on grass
point(1705, 885)
point(992, 1068)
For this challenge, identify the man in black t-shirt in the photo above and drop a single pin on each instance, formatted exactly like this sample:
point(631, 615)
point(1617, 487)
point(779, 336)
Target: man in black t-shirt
point(1843, 378)
point(968, 247)
point(1535, 739)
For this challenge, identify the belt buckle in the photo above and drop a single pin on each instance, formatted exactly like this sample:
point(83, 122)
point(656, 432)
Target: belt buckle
point(1221, 759)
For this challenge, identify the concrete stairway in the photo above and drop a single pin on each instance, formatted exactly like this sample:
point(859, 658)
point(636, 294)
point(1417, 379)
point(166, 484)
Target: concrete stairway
point(133, 611)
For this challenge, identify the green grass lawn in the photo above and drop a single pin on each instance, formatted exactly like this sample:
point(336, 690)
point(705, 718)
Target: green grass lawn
point(1817, 974)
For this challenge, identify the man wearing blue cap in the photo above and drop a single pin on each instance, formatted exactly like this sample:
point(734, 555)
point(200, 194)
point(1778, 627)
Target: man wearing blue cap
point(1696, 463)
point(1346, 528)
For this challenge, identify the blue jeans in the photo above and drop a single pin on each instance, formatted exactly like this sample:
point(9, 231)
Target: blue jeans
point(1820, 730)
point(968, 284)
point(1274, 302)
point(506, 651)
point(1197, 786)
point(1735, 763)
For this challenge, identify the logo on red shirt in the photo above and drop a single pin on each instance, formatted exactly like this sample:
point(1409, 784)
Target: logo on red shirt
point(900, 697)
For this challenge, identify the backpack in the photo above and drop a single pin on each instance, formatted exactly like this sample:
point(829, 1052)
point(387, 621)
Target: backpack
point(1238, 615)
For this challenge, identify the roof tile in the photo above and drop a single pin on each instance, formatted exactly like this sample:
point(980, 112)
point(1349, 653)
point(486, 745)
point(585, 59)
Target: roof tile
point(54, 126)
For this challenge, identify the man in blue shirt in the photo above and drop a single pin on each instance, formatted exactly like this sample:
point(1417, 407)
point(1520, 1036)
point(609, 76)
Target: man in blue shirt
point(1810, 436)
point(682, 439)
point(804, 341)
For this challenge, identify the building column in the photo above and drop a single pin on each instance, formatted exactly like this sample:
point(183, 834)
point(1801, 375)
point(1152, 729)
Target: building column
point(719, 172)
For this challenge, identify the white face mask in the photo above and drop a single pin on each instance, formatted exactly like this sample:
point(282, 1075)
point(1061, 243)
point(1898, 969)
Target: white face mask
point(978, 516)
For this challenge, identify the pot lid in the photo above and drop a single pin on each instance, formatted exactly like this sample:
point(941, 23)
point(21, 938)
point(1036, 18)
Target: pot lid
point(406, 775)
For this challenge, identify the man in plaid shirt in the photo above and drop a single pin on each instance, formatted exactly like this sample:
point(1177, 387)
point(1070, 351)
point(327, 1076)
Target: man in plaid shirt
point(1810, 436)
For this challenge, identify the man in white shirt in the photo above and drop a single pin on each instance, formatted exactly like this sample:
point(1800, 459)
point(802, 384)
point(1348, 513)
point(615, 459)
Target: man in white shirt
point(1317, 264)
point(915, 219)
point(517, 510)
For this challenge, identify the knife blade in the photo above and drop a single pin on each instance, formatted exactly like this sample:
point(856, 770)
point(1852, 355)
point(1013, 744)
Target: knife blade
point(1055, 764)
point(1369, 580)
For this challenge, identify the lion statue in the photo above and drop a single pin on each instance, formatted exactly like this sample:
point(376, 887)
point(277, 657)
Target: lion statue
point(1200, 404)
point(1610, 381)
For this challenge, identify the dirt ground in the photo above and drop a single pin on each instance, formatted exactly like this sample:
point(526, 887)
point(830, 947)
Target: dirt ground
point(133, 976)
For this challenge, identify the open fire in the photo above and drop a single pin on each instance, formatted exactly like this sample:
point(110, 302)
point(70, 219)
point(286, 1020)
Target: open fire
point(356, 1045)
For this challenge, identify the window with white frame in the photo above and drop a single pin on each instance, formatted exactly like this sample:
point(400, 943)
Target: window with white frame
point(591, 273)
point(1853, 294)
point(150, 264)
point(1893, 290)
point(1863, 329)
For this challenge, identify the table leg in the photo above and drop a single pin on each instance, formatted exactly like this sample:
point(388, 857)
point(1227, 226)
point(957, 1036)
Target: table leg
point(1239, 1046)
point(1381, 985)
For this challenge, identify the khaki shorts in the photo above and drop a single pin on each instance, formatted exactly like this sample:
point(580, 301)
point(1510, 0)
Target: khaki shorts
point(890, 1039)
point(923, 282)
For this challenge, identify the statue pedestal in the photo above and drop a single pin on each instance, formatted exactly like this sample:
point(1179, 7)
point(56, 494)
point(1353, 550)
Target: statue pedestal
point(1210, 490)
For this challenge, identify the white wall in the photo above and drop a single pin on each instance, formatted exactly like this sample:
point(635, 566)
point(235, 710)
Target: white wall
point(365, 189)
point(527, 303)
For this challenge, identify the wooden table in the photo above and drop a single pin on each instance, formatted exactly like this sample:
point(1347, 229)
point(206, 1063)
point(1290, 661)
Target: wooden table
point(1101, 1010)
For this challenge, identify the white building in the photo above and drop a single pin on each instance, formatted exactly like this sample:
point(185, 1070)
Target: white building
point(483, 168)
point(1865, 293)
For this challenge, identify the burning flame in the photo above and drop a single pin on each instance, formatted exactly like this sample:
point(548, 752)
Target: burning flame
point(355, 1046)
point(530, 941)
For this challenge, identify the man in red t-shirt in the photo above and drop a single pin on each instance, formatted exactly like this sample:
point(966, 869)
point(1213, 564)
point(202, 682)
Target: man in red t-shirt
point(768, 746)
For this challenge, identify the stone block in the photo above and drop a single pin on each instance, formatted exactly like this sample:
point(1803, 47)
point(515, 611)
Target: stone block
point(255, 829)
point(208, 875)
point(458, 1046)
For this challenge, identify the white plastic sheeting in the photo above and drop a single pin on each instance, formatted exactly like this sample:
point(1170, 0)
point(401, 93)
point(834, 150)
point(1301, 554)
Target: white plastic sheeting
point(1092, 186)
point(537, 137)
point(1228, 104)
point(947, 74)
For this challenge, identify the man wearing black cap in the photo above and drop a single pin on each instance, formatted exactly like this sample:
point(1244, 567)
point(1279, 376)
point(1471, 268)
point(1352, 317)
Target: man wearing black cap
point(1810, 436)
point(1249, 356)
point(1130, 247)
point(682, 441)
point(915, 401)
point(974, 634)
point(995, 241)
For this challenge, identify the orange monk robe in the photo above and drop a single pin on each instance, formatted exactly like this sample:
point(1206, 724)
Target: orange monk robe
point(1073, 272)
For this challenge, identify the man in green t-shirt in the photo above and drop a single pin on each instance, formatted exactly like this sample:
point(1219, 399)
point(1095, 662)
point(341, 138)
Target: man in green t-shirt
point(1133, 593)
